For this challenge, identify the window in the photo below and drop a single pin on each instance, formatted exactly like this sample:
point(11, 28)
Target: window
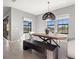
point(63, 26)
point(50, 24)
point(27, 26)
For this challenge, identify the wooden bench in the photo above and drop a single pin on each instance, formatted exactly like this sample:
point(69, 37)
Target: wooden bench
point(38, 46)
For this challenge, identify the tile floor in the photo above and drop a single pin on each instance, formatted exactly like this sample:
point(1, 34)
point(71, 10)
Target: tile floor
point(14, 50)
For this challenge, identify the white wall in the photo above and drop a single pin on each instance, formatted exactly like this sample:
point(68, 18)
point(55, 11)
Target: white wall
point(17, 17)
point(6, 11)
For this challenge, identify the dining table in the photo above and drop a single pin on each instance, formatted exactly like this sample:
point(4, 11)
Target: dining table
point(47, 38)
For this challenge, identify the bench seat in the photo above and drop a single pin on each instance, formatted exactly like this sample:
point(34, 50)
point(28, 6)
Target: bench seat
point(38, 46)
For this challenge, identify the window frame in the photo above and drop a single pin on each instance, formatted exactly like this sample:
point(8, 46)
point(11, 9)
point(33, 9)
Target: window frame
point(62, 27)
point(51, 25)
point(28, 26)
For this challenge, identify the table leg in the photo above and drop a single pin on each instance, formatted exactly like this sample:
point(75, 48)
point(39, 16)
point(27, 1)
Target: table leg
point(50, 41)
point(56, 43)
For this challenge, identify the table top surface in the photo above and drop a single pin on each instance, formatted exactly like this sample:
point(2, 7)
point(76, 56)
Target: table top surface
point(51, 36)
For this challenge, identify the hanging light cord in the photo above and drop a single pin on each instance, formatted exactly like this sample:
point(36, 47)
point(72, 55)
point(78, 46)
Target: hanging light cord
point(48, 5)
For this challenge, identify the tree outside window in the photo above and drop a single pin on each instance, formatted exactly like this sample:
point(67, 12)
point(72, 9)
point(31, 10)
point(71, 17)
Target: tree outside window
point(63, 25)
point(27, 26)
point(50, 24)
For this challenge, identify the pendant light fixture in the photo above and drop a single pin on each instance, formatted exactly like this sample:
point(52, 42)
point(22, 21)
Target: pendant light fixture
point(48, 15)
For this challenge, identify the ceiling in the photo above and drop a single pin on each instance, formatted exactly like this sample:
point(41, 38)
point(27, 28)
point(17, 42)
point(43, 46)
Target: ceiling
point(37, 7)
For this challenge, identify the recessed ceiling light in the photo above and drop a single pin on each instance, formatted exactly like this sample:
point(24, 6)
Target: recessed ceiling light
point(13, 0)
